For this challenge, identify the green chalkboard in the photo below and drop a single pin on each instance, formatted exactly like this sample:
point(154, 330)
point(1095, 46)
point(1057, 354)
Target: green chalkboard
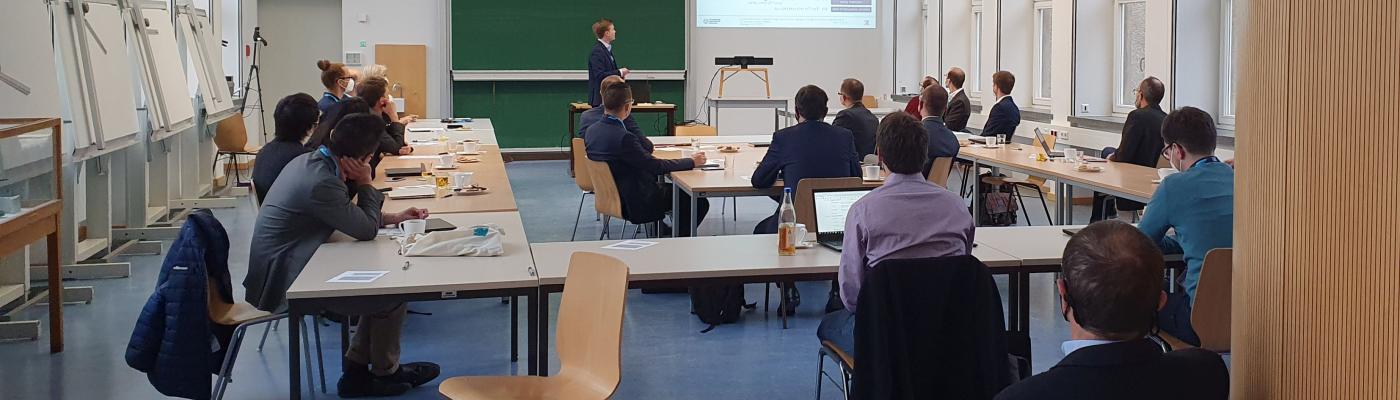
point(557, 34)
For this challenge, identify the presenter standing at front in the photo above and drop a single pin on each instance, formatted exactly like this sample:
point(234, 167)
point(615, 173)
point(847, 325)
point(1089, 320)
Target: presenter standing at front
point(601, 63)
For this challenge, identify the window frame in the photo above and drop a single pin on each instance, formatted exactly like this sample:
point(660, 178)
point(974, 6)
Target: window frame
point(1119, 37)
point(1229, 65)
point(1041, 64)
point(974, 86)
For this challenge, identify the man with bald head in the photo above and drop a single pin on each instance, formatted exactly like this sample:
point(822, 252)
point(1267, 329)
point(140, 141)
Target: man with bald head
point(1141, 143)
point(959, 107)
point(595, 114)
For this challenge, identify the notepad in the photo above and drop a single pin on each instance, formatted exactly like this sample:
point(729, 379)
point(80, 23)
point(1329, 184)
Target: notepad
point(357, 277)
point(412, 192)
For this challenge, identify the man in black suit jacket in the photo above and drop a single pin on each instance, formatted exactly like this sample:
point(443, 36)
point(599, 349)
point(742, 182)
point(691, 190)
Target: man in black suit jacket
point(1141, 142)
point(634, 169)
point(810, 149)
point(601, 63)
point(596, 114)
point(856, 118)
point(1005, 116)
point(959, 108)
point(942, 143)
point(1110, 291)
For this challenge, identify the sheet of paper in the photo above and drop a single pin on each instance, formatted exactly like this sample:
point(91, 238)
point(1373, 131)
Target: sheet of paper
point(357, 277)
point(418, 157)
point(630, 245)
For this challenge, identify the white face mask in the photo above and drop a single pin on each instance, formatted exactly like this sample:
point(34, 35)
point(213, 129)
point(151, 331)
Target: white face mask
point(350, 87)
point(1171, 160)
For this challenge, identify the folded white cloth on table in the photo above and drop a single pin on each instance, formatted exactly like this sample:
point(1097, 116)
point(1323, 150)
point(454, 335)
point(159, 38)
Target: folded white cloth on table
point(475, 241)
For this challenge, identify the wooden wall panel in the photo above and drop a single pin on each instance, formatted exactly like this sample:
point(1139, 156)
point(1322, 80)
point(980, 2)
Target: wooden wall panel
point(1317, 277)
point(408, 66)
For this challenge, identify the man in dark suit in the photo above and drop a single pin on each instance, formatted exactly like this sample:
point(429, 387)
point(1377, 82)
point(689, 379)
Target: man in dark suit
point(942, 143)
point(601, 63)
point(597, 114)
point(1005, 116)
point(856, 118)
point(1140, 144)
point(1110, 290)
point(634, 169)
point(959, 108)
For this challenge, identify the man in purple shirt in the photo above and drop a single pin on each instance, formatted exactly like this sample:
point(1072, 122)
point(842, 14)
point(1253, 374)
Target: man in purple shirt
point(908, 217)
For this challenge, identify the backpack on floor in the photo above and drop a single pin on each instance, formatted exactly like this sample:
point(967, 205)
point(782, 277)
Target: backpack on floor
point(717, 304)
point(997, 206)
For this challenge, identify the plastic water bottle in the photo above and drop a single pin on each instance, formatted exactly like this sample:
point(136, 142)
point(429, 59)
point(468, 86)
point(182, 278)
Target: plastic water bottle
point(787, 226)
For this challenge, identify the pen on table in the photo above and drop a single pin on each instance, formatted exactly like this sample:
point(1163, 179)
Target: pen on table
point(405, 265)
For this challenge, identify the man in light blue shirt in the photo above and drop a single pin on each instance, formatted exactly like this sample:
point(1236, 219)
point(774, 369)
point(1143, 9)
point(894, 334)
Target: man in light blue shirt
point(1197, 203)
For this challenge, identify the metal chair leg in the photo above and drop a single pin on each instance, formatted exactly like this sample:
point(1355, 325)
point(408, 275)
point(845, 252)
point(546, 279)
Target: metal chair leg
point(845, 382)
point(306, 344)
point(821, 361)
point(577, 216)
point(607, 223)
point(320, 359)
point(268, 329)
point(226, 370)
point(1016, 191)
point(1046, 206)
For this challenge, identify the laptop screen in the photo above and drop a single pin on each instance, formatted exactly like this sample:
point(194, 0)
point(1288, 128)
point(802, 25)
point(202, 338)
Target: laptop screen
point(831, 207)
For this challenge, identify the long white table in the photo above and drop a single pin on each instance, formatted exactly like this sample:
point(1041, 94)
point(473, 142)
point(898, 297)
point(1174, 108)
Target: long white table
point(414, 279)
point(757, 140)
point(479, 129)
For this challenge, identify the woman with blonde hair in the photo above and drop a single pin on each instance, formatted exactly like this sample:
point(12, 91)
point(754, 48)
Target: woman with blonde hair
point(382, 72)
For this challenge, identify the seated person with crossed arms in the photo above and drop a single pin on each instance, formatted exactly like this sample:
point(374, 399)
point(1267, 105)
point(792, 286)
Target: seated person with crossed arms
point(907, 217)
point(1110, 290)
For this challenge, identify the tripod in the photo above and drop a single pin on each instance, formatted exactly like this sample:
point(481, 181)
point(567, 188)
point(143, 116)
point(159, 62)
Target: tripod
point(258, 42)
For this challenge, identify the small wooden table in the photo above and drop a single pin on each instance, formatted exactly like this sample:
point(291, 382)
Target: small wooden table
point(669, 109)
point(490, 173)
point(34, 222)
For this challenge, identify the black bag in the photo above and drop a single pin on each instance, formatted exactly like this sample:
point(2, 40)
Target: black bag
point(717, 304)
point(997, 207)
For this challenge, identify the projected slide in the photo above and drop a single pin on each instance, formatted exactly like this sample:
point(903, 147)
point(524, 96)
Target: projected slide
point(852, 14)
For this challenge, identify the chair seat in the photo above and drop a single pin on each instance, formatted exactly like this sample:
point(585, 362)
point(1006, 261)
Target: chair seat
point(519, 387)
point(248, 150)
point(239, 313)
point(998, 180)
point(841, 354)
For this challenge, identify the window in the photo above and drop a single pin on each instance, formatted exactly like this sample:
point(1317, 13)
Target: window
point(1230, 34)
point(974, 75)
point(1043, 62)
point(1130, 52)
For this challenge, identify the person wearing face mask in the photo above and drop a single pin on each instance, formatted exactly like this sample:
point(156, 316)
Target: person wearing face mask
point(1197, 203)
point(1110, 289)
point(339, 83)
point(295, 117)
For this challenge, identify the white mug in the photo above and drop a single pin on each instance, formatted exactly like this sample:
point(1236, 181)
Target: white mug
point(799, 234)
point(461, 179)
point(470, 147)
point(9, 205)
point(413, 227)
point(870, 172)
point(445, 160)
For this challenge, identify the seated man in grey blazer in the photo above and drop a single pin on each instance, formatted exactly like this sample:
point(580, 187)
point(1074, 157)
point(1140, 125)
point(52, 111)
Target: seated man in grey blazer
point(310, 201)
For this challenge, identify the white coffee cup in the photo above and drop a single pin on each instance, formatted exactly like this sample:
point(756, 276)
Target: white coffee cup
point(687, 153)
point(414, 227)
point(470, 147)
point(461, 179)
point(445, 160)
point(870, 172)
point(799, 234)
point(9, 205)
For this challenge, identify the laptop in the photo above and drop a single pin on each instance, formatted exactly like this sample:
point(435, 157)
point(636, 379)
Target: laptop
point(831, 206)
point(1046, 147)
point(641, 92)
point(403, 172)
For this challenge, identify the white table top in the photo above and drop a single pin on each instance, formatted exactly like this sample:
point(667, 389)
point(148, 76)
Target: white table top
point(477, 123)
point(711, 257)
point(485, 136)
point(723, 139)
point(1033, 245)
point(427, 274)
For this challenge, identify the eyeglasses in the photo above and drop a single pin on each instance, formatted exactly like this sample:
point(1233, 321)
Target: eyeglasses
point(1166, 149)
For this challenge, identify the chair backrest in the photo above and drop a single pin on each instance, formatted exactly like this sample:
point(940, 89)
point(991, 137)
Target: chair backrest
point(231, 134)
point(1210, 316)
point(939, 170)
point(589, 334)
point(606, 199)
point(869, 101)
point(696, 130)
point(220, 311)
point(806, 211)
point(581, 176)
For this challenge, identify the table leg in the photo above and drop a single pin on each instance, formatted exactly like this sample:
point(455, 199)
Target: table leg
point(675, 210)
point(694, 225)
point(572, 134)
point(532, 333)
point(782, 304)
point(1060, 203)
point(345, 335)
point(670, 122)
point(514, 328)
point(294, 354)
point(55, 295)
point(1069, 205)
point(543, 354)
point(976, 192)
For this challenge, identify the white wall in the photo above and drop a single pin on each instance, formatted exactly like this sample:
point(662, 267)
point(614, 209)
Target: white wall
point(403, 22)
point(1018, 47)
point(298, 33)
point(823, 57)
point(1197, 56)
point(1093, 58)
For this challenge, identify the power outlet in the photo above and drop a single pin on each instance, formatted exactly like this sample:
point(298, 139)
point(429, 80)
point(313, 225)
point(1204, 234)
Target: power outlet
point(1084, 107)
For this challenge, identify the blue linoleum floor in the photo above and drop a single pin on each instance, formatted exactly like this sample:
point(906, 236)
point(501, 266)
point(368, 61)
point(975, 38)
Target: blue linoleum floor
point(664, 355)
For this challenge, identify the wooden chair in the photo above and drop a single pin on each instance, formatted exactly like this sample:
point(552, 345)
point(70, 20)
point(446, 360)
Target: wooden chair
point(696, 130)
point(869, 101)
point(606, 199)
point(1030, 182)
point(1210, 314)
point(589, 341)
point(844, 362)
point(242, 316)
point(582, 179)
point(940, 169)
point(231, 139)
